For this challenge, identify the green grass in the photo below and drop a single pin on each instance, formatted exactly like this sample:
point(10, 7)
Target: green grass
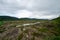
point(42, 29)
point(2, 29)
point(52, 38)
point(1, 23)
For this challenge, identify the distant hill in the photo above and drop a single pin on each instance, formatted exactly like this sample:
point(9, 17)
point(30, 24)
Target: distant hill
point(31, 19)
point(56, 21)
point(7, 18)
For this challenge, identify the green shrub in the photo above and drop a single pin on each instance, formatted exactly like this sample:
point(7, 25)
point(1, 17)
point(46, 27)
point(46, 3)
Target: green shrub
point(42, 29)
point(1, 23)
point(52, 38)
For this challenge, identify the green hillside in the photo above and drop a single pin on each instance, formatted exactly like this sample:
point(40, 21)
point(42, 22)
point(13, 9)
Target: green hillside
point(56, 21)
point(7, 18)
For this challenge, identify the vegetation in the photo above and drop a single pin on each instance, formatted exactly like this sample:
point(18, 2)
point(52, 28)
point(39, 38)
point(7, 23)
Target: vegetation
point(7, 18)
point(45, 30)
point(1, 23)
point(56, 22)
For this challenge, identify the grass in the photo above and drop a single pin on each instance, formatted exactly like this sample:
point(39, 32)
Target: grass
point(43, 29)
point(40, 29)
point(52, 38)
point(1, 23)
point(2, 29)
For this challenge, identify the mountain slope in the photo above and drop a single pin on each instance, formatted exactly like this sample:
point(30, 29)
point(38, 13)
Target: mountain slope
point(56, 21)
point(7, 18)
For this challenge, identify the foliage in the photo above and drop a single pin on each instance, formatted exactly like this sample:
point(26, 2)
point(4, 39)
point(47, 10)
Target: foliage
point(7, 18)
point(52, 38)
point(1, 23)
point(56, 21)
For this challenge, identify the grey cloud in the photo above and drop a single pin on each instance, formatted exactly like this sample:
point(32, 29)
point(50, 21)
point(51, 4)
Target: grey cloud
point(36, 4)
point(46, 5)
point(43, 7)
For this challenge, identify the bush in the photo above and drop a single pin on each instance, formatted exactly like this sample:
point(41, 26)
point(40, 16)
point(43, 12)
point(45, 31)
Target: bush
point(1, 23)
point(52, 38)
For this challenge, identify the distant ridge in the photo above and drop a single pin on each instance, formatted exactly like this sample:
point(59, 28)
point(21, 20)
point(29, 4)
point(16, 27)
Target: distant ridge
point(57, 18)
point(7, 18)
point(31, 19)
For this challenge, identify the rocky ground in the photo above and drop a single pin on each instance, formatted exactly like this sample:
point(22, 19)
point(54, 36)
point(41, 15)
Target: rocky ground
point(27, 31)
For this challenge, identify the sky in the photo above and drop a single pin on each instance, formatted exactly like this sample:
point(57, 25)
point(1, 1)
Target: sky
point(41, 9)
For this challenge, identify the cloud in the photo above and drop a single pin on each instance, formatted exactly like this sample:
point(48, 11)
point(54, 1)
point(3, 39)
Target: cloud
point(23, 14)
point(30, 8)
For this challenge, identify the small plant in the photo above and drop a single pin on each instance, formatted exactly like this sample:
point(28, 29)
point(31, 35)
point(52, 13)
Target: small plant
point(20, 36)
point(1, 23)
point(52, 38)
point(42, 29)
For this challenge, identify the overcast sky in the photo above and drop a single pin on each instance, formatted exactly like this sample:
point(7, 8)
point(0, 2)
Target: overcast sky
point(47, 9)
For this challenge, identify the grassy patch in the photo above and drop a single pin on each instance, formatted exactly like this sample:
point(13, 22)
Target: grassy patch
point(42, 29)
point(52, 38)
point(1, 23)
point(2, 29)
